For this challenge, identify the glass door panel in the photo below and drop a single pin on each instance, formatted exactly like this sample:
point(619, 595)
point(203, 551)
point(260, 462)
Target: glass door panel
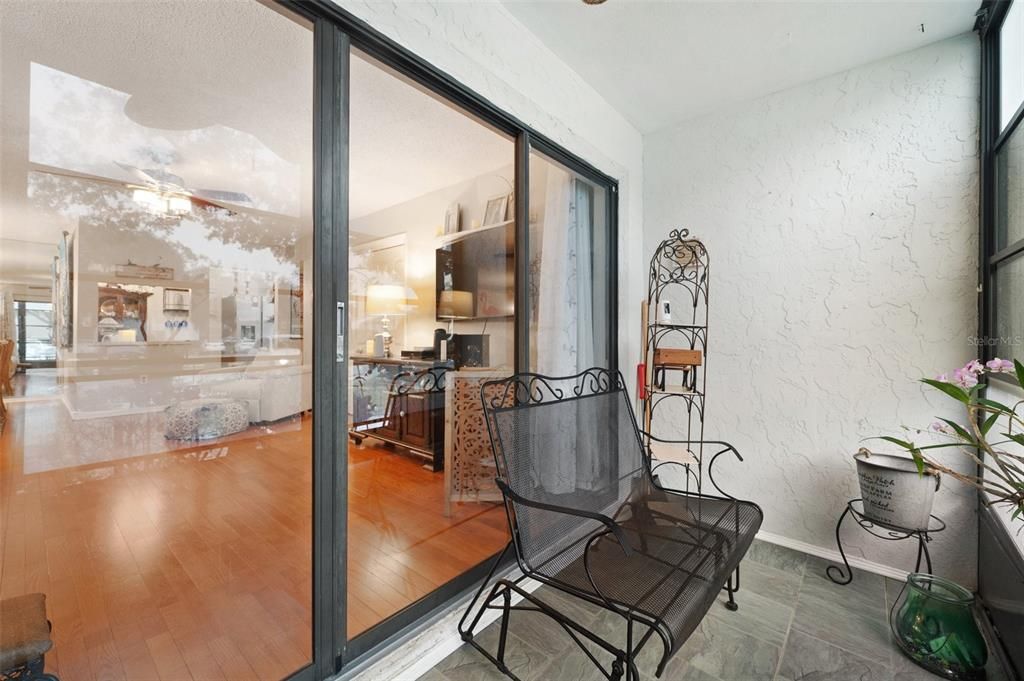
point(431, 314)
point(157, 194)
point(570, 299)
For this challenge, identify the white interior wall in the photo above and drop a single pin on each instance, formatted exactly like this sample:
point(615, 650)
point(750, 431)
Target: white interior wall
point(487, 49)
point(421, 220)
point(841, 220)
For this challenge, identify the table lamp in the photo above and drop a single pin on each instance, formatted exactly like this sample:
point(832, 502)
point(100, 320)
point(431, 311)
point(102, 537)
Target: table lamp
point(384, 300)
point(452, 305)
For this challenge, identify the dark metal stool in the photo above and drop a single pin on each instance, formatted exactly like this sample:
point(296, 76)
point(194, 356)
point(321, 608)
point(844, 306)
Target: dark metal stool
point(855, 508)
point(24, 638)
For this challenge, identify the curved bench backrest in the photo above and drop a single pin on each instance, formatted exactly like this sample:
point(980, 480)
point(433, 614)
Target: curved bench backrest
point(568, 442)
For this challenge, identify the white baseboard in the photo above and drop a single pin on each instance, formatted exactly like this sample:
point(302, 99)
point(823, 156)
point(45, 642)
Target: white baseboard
point(834, 556)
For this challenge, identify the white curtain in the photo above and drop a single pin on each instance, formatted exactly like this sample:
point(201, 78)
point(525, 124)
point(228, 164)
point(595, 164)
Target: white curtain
point(565, 331)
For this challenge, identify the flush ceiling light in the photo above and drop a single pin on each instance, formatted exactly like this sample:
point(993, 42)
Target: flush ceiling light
point(593, 2)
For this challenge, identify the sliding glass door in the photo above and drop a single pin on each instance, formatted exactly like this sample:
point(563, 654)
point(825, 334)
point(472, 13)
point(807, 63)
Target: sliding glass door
point(431, 310)
point(157, 233)
point(473, 252)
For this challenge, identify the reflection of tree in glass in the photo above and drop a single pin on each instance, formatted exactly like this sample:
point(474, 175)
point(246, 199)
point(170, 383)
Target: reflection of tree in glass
point(111, 204)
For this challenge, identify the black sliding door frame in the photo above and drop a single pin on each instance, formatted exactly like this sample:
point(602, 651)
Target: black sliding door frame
point(337, 32)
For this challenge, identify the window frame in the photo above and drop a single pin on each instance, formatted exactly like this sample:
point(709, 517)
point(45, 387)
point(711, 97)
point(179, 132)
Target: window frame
point(992, 139)
point(990, 530)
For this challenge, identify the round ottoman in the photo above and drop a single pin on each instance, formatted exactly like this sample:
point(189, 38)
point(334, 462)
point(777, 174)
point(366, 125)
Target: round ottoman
point(206, 418)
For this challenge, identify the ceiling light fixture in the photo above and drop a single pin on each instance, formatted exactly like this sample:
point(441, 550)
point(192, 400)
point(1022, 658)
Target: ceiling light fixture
point(160, 204)
point(593, 2)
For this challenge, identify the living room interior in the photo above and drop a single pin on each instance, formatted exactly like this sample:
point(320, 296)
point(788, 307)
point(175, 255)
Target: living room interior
point(262, 261)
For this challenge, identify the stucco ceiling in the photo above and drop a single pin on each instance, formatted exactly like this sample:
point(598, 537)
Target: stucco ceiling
point(660, 63)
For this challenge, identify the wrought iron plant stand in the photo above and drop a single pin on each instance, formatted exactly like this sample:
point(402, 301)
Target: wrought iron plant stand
point(855, 509)
point(675, 328)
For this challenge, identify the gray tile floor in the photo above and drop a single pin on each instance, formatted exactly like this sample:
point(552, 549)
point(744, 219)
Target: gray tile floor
point(793, 624)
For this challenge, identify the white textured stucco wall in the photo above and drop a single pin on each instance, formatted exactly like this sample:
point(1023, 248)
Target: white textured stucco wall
point(841, 219)
point(484, 47)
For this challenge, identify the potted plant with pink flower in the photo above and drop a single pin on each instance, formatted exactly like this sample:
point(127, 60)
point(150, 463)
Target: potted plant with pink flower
point(992, 430)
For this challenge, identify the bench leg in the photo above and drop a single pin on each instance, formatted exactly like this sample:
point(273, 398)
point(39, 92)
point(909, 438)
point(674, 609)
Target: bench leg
point(632, 673)
point(506, 611)
point(467, 632)
point(732, 587)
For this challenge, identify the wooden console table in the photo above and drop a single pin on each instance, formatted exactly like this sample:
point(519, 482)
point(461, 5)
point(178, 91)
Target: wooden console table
point(409, 412)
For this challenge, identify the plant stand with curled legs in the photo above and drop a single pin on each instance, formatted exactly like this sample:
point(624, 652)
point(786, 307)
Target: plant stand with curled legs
point(855, 509)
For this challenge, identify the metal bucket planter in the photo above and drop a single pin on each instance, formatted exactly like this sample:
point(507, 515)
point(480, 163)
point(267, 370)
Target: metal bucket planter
point(894, 493)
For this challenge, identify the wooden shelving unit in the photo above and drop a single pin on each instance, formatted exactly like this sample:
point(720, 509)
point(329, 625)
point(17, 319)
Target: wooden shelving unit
point(678, 276)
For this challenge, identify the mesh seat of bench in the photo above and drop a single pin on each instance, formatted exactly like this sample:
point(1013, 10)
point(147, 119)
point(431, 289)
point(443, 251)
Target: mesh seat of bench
point(589, 517)
point(684, 550)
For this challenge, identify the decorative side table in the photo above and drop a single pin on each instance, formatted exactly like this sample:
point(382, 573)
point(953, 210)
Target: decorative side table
point(855, 508)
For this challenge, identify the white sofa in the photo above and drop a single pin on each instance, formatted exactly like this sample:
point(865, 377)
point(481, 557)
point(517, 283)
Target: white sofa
point(272, 393)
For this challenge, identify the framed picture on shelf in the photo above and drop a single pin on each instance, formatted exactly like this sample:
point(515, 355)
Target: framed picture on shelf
point(494, 212)
point(451, 219)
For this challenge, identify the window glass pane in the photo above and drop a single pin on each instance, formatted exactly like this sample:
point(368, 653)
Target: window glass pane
point(156, 201)
point(1010, 191)
point(36, 334)
point(1011, 63)
point(1009, 313)
point(37, 317)
point(569, 271)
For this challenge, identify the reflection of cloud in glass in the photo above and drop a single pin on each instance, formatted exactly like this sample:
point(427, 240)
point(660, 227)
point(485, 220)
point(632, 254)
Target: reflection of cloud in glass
point(80, 125)
point(194, 236)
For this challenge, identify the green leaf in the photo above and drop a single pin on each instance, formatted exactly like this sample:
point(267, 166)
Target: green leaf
point(943, 445)
point(989, 422)
point(953, 391)
point(911, 447)
point(995, 405)
point(1016, 437)
point(1019, 368)
point(960, 430)
point(918, 460)
point(896, 441)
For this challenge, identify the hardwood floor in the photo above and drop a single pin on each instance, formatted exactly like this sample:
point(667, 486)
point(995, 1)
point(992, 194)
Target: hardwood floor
point(195, 563)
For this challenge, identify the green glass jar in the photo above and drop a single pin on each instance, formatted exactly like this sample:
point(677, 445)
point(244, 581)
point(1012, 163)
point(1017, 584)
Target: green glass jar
point(933, 622)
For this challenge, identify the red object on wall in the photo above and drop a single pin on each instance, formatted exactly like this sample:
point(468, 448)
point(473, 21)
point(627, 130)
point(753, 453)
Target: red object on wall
point(641, 377)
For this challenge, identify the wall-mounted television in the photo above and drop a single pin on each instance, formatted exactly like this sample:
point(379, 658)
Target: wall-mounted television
point(482, 265)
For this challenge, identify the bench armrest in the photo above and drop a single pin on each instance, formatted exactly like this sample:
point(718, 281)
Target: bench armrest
point(725, 447)
point(612, 526)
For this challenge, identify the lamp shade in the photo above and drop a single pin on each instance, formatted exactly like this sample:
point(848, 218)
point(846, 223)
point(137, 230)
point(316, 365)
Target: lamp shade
point(385, 299)
point(455, 305)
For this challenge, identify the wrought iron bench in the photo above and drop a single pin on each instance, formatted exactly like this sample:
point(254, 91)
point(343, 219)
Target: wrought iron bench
point(589, 517)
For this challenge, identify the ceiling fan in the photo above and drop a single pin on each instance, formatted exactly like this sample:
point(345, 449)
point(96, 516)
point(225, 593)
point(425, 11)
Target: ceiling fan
point(163, 192)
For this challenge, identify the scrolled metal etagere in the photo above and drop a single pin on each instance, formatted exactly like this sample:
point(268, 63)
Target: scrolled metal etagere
point(679, 274)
